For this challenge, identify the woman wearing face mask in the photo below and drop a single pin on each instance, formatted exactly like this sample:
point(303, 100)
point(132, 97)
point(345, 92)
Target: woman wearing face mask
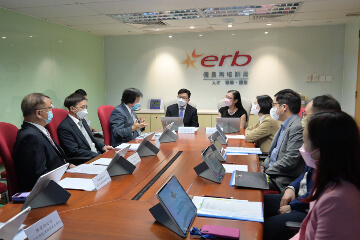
point(234, 108)
point(331, 144)
point(262, 133)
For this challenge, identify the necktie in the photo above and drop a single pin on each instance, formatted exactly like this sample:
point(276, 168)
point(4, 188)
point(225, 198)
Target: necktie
point(181, 114)
point(53, 143)
point(87, 137)
point(134, 119)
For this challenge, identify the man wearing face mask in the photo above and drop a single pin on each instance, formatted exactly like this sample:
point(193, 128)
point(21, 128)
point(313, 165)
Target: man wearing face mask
point(284, 162)
point(35, 152)
point(74, 134)
point(124, 124)
point(183, 109)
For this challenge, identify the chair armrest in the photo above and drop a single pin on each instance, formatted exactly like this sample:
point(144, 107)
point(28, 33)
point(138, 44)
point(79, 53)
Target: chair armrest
point(293, 225)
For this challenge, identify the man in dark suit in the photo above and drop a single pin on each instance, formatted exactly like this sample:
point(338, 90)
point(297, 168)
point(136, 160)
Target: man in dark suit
point(124, 124)
point(183, 109)
point(74, 134)
point(35, 153)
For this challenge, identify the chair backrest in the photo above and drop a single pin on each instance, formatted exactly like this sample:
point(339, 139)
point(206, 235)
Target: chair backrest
point(171, 102)
point(8, 133)
point(104, 113)
point(245, 102)
point(59, 116)
point(301, 111)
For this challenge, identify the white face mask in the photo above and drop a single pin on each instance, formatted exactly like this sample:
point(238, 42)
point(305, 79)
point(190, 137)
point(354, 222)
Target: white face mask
point(273, 113)
point(82, 114)
point(254, 110)
point(181, 102)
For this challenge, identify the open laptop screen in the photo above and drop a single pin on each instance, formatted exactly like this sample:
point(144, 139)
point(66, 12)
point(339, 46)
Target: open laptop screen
point(176, 201)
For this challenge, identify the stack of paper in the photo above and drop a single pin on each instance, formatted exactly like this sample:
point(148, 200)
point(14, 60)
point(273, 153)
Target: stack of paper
point(87, 169)
point(235, 136)
point(231, 209)
point(133, 146)
point(230, 168)
point(230, 150)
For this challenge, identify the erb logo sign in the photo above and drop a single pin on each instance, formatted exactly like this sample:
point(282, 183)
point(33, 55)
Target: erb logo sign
point(235, 60)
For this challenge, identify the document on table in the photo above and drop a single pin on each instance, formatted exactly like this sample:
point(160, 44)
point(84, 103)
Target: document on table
point(77, 184)
point(198, 200)
point(235, 136)
point(133, 146)
point(230, 168)
point(102, 161)
point(87, 169)
point(231, 209)
point(243, 150)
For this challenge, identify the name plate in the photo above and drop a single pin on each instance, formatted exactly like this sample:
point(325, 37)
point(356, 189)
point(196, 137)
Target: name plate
point(45, 227)
point(186, 130)
point(134, 159)
point(210, 130)
point(101, 180)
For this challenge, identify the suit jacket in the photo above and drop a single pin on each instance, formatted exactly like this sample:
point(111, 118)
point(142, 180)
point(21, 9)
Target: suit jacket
point(289, 163)
point(120, 126)
point(190, 118)
point(334, 215)
point(74, 142)
point(34, 155)
point(262, 134)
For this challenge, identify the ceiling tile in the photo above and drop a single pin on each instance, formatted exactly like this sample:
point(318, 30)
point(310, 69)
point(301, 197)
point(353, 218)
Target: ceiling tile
point(73, 21)
point(13, 4)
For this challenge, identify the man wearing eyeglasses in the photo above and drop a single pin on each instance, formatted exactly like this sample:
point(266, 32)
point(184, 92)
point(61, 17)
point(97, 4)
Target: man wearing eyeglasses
point(183, 109)
point(284, 162)
point(74, 134)
point(35, 152)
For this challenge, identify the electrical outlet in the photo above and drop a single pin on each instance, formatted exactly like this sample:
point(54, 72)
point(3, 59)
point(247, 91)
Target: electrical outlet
point(322, 79)
point(328, 78)
point(308, 78)
point(315, 77)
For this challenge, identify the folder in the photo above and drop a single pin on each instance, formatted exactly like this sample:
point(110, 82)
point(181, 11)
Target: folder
point(254, 180)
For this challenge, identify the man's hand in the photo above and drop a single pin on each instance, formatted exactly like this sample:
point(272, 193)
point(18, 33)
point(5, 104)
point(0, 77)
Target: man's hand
point(285, 209)
point(288, 196)
point(138, 125)
point(71, 166)
point(262, 169)
point(107, 148)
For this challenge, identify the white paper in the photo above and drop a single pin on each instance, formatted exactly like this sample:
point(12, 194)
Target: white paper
point(87, 169)
point(45, 227)
point(77, 184)
point(102, 161)
point(230, 168)
point(133, 146)
point(186, 130)
point(198, 200)
point(134, 159)
point(235, 153)
point(210, 130)
point(233, 209)
point(235, 136)
point(244, 150)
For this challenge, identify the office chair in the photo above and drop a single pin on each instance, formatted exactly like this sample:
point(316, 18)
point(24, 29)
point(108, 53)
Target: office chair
point(59, 116)
point(8, 133)
point(104, 113)
point(171, 102)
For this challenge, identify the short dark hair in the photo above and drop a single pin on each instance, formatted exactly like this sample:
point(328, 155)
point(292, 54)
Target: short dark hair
point(325, 102)
point(238, 104)
point(129, 95)
point(290, 98)
point(31, 102)
point(183, 90)
point(73, 99)
point(265, 103)
point(81, 91)
point(336, 134)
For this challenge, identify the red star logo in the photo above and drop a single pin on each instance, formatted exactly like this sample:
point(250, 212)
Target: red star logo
point(188, 60)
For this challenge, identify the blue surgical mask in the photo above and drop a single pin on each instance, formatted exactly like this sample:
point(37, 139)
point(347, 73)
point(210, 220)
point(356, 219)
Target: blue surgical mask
point(50, 117)
point(136, 106)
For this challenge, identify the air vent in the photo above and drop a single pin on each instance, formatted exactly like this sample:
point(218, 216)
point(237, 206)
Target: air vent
point(270, 18)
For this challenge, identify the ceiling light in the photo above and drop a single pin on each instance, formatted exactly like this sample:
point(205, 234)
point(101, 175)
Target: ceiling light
point(266, 32)
point(192, 27)
point(269, 24)
point(200, 35)
point(30, 36)
point(170, 36)
point(233, 34)
point(3, 37)
point(230, 25)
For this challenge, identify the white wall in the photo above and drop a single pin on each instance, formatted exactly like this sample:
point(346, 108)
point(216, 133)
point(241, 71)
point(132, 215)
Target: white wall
point(280, 60)
point(350, 66)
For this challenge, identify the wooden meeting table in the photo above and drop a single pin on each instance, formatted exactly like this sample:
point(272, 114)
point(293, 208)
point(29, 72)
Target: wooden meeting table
point(118, 211)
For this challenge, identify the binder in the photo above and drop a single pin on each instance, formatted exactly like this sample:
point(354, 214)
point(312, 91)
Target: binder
point(253, 180)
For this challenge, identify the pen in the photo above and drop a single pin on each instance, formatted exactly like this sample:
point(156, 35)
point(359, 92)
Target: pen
point(230, 162)
point(217, 197)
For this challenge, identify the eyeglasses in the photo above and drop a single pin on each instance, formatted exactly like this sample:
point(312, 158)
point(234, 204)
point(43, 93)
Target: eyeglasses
point(51, 108)
point(82, 107)
point(274, 103)
point(184, 98)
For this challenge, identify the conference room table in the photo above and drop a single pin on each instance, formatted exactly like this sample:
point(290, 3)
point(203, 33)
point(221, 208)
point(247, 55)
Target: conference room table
point(120, 210)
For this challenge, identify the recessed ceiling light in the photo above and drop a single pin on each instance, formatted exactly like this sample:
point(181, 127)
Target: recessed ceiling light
point(266, 32)
point(157, 29)
point(230, 25)
point(192, 27)
point(3, 37)
point(170, 36)
point(233, 34)
point(200, 35)
point(30, 36)
point(269, 24)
